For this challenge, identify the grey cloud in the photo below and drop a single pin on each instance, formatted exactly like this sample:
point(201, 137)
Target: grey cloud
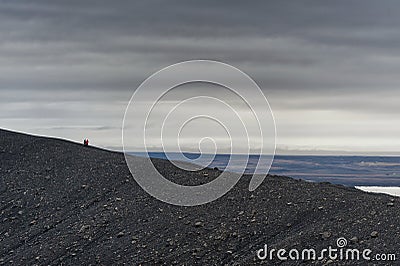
point(68, 62)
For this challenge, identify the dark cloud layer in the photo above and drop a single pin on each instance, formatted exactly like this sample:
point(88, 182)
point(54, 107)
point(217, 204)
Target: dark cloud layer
point(68, 64)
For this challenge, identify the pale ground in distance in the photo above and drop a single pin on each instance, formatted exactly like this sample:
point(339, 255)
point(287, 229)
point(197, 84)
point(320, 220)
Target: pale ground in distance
point(394, 191)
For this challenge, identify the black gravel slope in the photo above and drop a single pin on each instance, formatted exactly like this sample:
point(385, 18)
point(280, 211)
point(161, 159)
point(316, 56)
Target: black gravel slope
point(62, 203)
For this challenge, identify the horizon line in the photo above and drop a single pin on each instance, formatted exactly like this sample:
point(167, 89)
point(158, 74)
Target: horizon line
point(345, 154)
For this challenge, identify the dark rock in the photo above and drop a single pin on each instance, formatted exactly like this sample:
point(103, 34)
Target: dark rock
point(326, 235)
point(198, 224)
point(354, 239)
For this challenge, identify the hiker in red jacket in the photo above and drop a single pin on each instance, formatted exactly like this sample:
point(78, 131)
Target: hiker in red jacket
point(85, 142)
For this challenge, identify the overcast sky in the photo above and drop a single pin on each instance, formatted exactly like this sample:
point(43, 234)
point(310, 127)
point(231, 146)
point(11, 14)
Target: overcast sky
point(330, 69)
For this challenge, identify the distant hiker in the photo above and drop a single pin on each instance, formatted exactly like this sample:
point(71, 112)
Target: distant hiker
point(85, 142)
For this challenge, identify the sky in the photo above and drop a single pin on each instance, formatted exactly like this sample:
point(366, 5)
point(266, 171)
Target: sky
point(330, 69)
